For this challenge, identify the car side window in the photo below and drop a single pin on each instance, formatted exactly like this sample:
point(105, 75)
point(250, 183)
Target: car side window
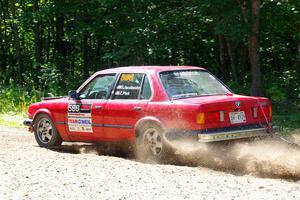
point(129, 86)
point(98, 88)
point(146, 92)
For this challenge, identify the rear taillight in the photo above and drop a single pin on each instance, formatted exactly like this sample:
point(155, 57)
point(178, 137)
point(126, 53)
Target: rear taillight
point(261, 111)
point(266, 110)
point(212, 117)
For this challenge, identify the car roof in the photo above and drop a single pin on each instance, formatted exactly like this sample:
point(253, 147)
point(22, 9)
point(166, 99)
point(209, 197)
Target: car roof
point(150, 69)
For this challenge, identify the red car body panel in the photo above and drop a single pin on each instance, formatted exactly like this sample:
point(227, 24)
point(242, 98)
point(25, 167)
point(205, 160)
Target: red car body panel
point(114, 120)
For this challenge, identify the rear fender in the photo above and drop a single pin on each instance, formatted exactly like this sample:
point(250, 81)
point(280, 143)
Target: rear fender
point(147, 120)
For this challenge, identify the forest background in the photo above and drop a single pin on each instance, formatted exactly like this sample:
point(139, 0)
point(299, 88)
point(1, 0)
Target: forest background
point(48, 47)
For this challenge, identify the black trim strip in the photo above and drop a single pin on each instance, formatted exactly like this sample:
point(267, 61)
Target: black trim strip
point(116, 126)
point(104, 125)
point(97, 125)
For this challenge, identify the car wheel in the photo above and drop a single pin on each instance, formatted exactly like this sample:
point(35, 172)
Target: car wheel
point(152, 146)
point(45, 132)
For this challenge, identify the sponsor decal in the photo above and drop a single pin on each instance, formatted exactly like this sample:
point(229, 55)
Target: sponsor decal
point(80, 118)
point(124, 87)
point(122, 93)
point(127, 77)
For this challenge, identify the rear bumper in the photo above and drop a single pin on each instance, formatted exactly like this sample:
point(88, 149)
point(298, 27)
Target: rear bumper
point(220, 135)
point(238, 134)
point(28, 122)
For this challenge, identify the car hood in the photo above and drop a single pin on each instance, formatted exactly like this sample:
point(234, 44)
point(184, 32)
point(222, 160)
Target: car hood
point(48, 101)
point(59, 98)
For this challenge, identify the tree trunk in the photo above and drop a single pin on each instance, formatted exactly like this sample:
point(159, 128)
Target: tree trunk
point(2, 57)
point(98, 53)
point(47, 45)
point(2, 51)
point(59, 28)
point(18, 55)
point(243, 61)
point(222, 61)
point(298, 56)
point(85, 49)
point(253, 45)
point(59, 45)
point(37, 40)
point(5, 42)
point(232, 60)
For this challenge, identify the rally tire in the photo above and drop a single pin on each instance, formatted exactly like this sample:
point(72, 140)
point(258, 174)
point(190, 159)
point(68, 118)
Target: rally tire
point(152, 146)
point(45, 132)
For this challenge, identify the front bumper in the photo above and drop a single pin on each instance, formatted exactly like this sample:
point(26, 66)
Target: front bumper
point(28, 122)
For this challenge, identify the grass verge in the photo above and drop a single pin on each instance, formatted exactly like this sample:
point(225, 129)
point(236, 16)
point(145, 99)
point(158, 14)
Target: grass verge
point(288, 122)
point(12, 119)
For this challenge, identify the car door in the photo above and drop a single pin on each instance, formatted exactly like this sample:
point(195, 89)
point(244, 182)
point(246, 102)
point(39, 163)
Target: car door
point(126, 106)
point(85, 116)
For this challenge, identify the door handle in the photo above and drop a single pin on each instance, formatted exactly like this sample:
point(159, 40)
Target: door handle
point(137, 108)
point(98, 107)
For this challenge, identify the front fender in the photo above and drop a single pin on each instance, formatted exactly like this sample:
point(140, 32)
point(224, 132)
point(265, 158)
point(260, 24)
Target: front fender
point(43, 111)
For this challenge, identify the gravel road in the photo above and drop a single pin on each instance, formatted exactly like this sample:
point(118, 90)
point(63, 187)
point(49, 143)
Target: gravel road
point(79, 172)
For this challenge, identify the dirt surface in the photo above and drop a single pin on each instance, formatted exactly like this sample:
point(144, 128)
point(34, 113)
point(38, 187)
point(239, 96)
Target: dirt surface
point(79, 171)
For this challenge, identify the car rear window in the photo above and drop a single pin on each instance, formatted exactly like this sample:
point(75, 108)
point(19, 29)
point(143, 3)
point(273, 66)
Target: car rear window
point(191, 83)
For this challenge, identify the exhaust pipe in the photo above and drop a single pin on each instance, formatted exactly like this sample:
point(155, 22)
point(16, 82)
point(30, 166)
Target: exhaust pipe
point(28, 122)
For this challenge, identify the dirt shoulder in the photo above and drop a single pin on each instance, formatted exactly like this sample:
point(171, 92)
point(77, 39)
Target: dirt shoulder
point(79, 172)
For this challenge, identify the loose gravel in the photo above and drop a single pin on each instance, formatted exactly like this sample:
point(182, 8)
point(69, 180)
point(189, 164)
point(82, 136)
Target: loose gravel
point(79, 172)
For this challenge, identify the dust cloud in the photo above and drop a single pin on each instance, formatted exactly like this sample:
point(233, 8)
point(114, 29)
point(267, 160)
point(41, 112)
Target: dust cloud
point(104, 148)
point(264, 158)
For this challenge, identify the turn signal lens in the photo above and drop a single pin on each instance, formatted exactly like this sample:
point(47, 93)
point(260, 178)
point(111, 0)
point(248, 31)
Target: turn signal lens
point(200, 118)
point(270, 111)
point(266, 110)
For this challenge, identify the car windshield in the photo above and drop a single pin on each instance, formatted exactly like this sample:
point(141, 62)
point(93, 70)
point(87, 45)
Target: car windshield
point(191, 83)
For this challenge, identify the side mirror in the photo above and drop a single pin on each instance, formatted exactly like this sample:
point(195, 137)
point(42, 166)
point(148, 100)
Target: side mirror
point(73, 94)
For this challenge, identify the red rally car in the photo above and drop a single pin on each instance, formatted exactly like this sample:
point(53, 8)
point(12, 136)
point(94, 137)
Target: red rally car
point(149, 106)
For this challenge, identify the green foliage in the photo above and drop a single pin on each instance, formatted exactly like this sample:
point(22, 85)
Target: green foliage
point(16, 99)
point(49, 79)
point(50, 47)
point(288, 122)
